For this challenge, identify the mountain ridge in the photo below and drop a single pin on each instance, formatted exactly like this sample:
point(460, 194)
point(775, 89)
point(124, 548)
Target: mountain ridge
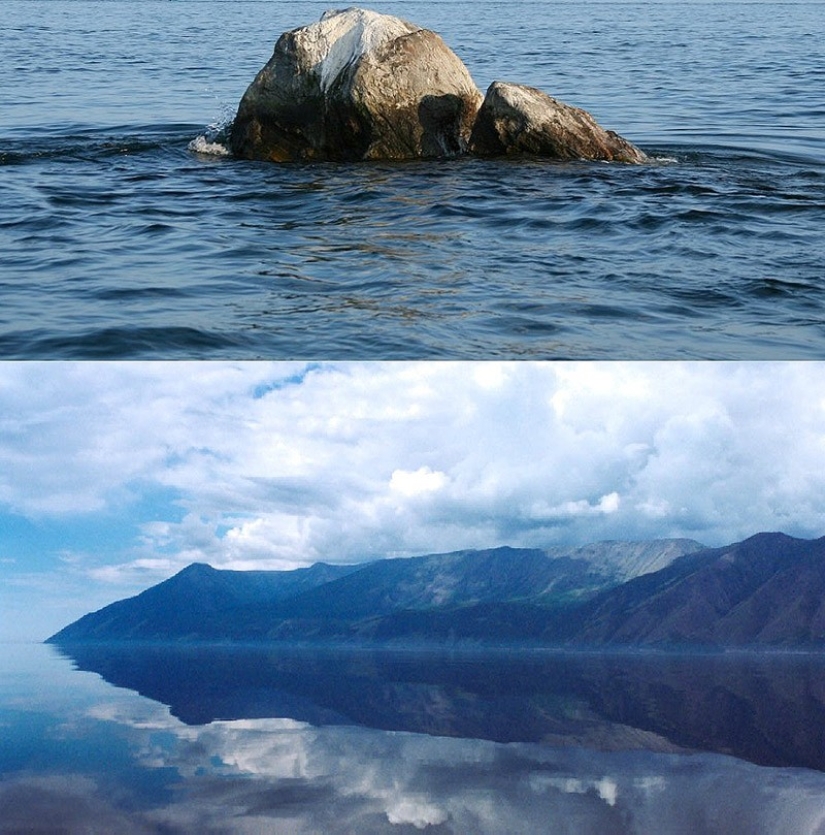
point(767, 590)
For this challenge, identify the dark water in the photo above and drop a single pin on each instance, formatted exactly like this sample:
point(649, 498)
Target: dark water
point(322, 742)
point(769, 710)
point(118, 240)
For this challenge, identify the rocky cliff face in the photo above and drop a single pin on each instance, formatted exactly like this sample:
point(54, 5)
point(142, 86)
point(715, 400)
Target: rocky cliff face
point(625, 560)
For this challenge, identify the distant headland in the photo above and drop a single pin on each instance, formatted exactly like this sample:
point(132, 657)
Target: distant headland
point(766, 591)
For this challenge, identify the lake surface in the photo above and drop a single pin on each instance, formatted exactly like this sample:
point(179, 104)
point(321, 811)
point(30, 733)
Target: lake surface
point(119, 239)
point(301, 741)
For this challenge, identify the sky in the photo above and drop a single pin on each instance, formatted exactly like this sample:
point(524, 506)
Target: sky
point(114, 476)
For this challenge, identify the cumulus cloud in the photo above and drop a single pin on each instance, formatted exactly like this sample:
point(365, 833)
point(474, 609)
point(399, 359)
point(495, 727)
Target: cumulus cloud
point(280, 465)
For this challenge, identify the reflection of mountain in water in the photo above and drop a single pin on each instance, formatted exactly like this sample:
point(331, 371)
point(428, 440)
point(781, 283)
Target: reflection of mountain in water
point(766, 709)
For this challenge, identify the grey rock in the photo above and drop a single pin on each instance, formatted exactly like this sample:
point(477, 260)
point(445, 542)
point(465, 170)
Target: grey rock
point(357, 85)
point(623, 561)
point(515, 119)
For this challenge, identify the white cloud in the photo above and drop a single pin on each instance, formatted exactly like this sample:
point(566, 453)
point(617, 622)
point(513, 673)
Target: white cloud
point(423, 480)
point(279, 465)
point(134, 571)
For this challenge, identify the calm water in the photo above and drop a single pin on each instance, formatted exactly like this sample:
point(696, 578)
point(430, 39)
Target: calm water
point(286, 742)
point(118, 240)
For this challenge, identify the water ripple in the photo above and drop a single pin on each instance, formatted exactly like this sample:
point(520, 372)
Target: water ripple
point(119, 238)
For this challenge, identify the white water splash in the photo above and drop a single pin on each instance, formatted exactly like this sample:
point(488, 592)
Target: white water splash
point(214, 141)
point(202, 145)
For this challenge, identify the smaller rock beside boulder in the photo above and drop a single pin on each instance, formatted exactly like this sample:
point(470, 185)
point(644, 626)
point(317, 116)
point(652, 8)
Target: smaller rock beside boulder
point(516, 119)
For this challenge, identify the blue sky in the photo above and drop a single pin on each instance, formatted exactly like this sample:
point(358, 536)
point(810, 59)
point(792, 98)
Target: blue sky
point(113, 476)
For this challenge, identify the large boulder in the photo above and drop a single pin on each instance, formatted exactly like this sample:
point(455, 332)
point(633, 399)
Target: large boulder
point(515, 119)
point(357, 85)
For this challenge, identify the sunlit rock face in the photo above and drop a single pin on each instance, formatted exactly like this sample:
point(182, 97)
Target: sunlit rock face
point(515, 119)
point(357, 85)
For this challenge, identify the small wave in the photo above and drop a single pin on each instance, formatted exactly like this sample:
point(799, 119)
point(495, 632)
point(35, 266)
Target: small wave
point(214, 141)
point(119, 341)
point(203, 145)
point(83, 146)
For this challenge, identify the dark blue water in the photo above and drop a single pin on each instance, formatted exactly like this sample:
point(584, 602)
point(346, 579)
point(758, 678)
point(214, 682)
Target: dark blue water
point(118, 239)
point(247, 741)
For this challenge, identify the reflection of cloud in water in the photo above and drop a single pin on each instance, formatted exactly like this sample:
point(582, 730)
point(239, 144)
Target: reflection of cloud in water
point(283, 776)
